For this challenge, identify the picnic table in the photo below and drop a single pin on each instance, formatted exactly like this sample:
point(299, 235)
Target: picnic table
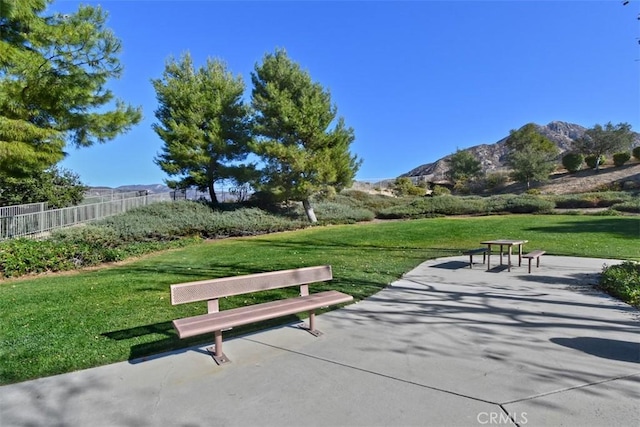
point(504, 243)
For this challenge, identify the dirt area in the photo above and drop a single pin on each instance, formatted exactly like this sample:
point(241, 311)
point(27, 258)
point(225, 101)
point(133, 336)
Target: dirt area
point(627, 177)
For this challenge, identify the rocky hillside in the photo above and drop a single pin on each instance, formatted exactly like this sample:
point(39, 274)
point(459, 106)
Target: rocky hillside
point(492, 156)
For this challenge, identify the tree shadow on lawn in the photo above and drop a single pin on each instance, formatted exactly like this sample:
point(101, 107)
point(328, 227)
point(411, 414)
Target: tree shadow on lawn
point(625, 351)
point(215, 268)
point(626, 227)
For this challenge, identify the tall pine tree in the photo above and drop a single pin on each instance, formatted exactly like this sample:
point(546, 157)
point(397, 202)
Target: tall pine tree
point(204, 125)
point(305, 148)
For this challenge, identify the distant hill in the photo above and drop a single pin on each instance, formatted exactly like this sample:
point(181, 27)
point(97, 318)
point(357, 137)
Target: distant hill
point(492, 156)
point(150, 188)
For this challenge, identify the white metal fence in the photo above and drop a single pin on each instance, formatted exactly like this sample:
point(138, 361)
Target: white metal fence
point(22, 209)
point(41, 221)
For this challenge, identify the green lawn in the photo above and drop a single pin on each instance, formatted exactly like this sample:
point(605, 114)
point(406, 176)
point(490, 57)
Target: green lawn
point(64, 322)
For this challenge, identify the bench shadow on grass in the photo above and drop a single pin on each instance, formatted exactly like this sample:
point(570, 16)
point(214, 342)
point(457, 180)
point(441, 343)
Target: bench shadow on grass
point(172, 345)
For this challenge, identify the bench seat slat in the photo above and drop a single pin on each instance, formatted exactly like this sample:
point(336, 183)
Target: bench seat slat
point(475, 251)
point(533, 254)
point(197, 325)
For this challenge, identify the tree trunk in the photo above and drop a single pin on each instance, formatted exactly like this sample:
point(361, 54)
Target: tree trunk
point(212, 193)
point(309, 211)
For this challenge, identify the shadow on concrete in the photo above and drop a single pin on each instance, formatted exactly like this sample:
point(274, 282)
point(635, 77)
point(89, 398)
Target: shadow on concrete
point(624, 351)
point(451, 265)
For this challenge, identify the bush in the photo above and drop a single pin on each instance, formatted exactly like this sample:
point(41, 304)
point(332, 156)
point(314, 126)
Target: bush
point(518, 204)
point(572, 162)
point(620, 159)
point(496, 180)
point(622, 281)
point(440, 190)
point(451, 205)
point(632, 206)
point(361, 199)
point(427, 207)
point(338, 213)
point(636, 153)
point(403, 186)
point(590, 200)
point(592, 160)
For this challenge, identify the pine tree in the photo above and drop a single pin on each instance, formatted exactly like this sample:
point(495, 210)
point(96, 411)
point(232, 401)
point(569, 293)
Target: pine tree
point(53, 72)
point(204, 125)
point(303, 154)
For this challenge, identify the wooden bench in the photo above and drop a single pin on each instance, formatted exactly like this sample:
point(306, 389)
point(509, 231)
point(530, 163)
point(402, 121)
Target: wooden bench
point(472, 252)
point(216, 321)
point(534, 255)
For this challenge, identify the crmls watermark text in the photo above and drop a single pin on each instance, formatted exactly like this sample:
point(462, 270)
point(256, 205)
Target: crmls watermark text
point(496, 418)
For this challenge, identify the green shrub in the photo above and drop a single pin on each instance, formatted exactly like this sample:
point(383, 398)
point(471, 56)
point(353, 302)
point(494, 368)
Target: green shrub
point(622, 281)
point(496, 180)
point(473, 205)
point(631, 206)
point(338, 213)
point(572, 162)
point(636, 152)
point(403, 186)
point(24, 256)
point(609, 187)
point(590, 200)
point(440, 190)
point(620, 159)
point(361, 199)
point(522, 204)
point(426, 207)
point(592, 160)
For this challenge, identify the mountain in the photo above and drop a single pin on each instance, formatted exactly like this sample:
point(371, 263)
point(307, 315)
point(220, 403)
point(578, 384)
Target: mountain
point(149, 188)
point(492, 156)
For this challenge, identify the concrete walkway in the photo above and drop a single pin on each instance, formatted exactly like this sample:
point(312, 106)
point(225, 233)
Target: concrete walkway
point(444, 345)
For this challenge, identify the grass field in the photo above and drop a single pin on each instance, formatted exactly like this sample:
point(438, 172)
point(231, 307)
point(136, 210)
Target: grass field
point(63, 322)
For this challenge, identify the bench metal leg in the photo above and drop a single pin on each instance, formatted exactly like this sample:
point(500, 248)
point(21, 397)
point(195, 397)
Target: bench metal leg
point(311, 328)
point(537, 262)
point(484, 259)
point(216, 350)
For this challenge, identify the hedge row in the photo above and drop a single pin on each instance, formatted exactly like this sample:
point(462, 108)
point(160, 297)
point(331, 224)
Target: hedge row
point(452, 205)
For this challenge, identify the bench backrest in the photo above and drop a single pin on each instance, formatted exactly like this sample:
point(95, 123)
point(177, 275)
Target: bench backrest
point(211, 289)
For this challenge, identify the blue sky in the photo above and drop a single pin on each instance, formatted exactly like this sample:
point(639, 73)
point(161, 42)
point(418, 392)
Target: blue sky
point(415, 79)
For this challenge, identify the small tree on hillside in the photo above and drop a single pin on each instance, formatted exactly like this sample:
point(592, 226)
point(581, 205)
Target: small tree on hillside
point(464, 168)
point(599, 141)
point(403, 186)
point(572, 162)
point(305, 148)
point(204, 125)
point(531, 156)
